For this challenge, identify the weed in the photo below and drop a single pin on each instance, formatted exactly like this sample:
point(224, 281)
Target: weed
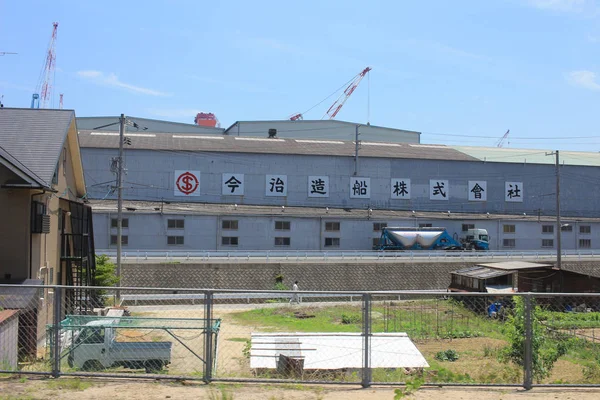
point(68, 384)
point(238, 339)
point(350, 318)
point(447, 355)
point(224, 395)
point(410, 387)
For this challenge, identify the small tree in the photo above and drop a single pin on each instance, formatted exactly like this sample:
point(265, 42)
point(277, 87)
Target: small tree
point(545, 351)
point(105, 276)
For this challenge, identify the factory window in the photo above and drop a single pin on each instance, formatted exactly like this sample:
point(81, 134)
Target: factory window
point(547, 228)
point(466, 227)
point(566, 228)
point(547, 242)
point(332, 242)
point(508, 243)
point(282, 225)
point(174, 240)
point(332, 226)
point(229, 240)
point(425, 225)
point(509, 228)
point(229, 224)
point(585, 229)
point(124, 223)
point(585, 243)
point(377, 226)
point(175, 223)
point(282, 241)
point(124, 240)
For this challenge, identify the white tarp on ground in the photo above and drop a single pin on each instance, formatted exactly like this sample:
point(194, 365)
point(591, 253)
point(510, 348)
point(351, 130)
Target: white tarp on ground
point(335, 350)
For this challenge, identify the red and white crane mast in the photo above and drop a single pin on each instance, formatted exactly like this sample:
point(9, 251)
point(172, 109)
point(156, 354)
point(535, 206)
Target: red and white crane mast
point(339, 103)
point(46, 81)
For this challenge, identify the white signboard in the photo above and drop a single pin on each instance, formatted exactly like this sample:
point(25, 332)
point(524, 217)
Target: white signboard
point(187, 183)
point(276, 185)
point(513, 192)
point(477, 191)
point(233, 185)
point(400, 188)
point(438, 189)
point(318, 186)
point(360, 188)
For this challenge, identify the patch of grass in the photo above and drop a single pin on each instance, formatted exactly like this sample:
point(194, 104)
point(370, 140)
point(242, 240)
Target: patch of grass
point(222, 394)
point(17, 397)
point(238, 339)
point(68, 384)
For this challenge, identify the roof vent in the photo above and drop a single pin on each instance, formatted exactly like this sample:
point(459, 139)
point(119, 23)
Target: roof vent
point(272, 133)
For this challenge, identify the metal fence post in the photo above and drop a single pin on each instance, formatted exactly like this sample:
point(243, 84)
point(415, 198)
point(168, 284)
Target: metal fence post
point(366, 370)
point(527, 383)
point(208, 336)
point(56, 332)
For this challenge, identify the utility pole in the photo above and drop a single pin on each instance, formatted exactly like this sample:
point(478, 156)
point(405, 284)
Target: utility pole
point(120, 200)
point(356, 146)
point(558, 224)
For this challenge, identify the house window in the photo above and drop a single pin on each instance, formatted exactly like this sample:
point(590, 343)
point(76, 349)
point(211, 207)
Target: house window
point(124, 223)
point(175, 223)
point(332, 242)
point(466, 227)
point(124, 240)
point(332, 226)
point(282, 225)
point(174, 240)
point(425, 225)
point(547, 242)
point(282, 241)
point(566, 228)
point(378, 226)
point(229, 240)
point(585, 229)
point(547, 228)
point(231, 225)
point(585, 243)
point(509, 229)
point(508, 243)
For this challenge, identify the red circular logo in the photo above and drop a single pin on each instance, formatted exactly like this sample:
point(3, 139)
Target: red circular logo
point(187, 183)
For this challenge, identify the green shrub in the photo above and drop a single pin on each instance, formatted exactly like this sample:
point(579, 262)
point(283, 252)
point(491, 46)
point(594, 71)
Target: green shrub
point(348, 319)
point(446, 355)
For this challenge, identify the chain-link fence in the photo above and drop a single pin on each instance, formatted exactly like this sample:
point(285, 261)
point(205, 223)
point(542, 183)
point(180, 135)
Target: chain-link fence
point(359, 338)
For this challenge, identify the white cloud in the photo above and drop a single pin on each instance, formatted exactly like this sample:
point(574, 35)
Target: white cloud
point(112, 80)
point(584, 79)
point(575, 6)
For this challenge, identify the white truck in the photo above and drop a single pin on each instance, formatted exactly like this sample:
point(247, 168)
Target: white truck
point(94, 347)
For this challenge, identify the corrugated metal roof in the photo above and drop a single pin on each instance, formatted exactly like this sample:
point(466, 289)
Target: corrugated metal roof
point(264, 145)
point(335, 350)
point(530, 156)
point(189, 208)
point(515, 265)
point(480, 272)
point(6, 314)
point(35, 137)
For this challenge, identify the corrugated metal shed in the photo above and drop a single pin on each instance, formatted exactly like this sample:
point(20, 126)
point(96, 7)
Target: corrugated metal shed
point(335, 350)
point(263, 145)
point(478, 272)
point(515, 265)
point(35, 137)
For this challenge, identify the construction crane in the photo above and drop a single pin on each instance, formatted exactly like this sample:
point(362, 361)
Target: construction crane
point(43, 90)
point(60, 102)
point(339, 103)
point(500, 142)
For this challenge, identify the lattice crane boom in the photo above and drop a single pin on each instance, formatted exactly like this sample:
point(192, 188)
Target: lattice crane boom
point(500, 142)
point(46, 81)
point(339, 103)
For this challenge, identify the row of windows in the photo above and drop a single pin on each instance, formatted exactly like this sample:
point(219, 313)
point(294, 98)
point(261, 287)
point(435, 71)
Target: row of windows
point(335, 226)
point(226, 241)
point(583, 243)
point(550, 228)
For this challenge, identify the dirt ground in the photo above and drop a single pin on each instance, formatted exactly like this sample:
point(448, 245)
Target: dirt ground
point(76, 389)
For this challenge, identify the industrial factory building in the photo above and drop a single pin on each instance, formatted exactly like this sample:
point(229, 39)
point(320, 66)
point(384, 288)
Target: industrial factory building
point(308, 185)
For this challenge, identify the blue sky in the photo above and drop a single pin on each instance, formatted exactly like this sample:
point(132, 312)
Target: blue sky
point(461, 72)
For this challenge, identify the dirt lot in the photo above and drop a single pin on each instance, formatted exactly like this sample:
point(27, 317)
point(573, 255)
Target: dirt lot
point(76, 389)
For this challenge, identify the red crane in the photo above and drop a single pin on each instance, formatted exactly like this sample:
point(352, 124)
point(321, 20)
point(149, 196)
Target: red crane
point(339, 103)
point(46, 81)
